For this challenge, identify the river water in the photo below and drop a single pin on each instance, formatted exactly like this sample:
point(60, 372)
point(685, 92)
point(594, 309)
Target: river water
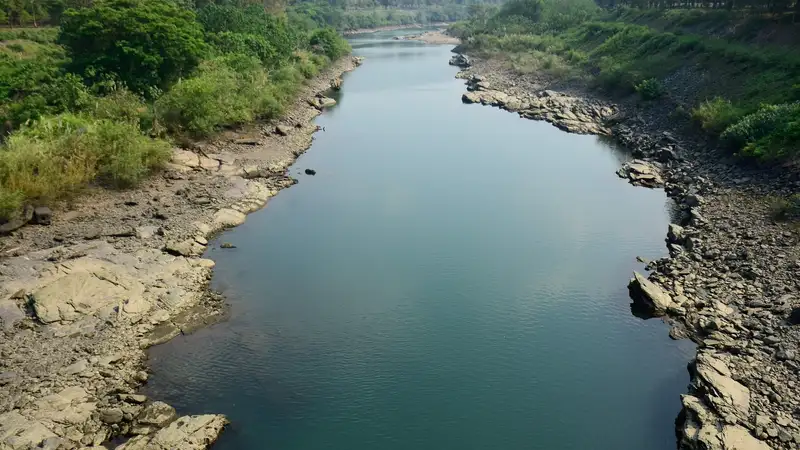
point(454, 277)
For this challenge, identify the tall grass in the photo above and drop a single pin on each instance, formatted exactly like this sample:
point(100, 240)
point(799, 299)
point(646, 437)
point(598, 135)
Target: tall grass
point(57, 156)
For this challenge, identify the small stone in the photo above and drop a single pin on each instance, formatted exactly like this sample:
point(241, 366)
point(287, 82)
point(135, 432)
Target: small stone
point(227, 245)
point(283, 130)
point(310, 172)
point(7, 377)
point(140, 376)
point(75, 368)
point(133, 398)
point(783, 436)
point(772, 432)
point(111, 415)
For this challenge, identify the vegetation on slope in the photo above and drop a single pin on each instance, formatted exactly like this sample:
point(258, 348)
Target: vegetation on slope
point(746, 89)
point(98, 99)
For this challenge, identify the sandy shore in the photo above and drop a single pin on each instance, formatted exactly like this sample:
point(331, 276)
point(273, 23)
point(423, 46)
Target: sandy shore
point(394, 27)
point(730, 282)
point(117, 272)
point(437, 37)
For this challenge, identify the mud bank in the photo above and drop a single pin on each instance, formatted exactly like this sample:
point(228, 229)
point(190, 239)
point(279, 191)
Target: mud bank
point(117, 272)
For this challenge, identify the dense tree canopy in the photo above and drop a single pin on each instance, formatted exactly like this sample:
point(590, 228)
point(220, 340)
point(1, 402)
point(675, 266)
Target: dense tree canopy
point(143, 43)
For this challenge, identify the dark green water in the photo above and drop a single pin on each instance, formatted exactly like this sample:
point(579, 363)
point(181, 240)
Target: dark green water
point(454, 277)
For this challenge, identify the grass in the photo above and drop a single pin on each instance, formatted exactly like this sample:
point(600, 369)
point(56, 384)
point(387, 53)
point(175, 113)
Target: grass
point(232, 90)
point(58, 156)
point(714, 116)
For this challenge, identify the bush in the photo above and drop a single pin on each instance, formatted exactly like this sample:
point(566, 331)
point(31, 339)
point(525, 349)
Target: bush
point(143, 43)
point(650, 89)
point(767, 120)
point(226, 91)
point(326, 41)
point(253, 45)
point(59, 155)
point(716, 115)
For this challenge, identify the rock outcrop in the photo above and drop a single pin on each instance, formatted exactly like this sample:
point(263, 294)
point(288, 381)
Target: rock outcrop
point(650, 296)
point(641, 173)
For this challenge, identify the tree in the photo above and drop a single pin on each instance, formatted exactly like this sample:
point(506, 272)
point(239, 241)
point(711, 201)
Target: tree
point(142, 43)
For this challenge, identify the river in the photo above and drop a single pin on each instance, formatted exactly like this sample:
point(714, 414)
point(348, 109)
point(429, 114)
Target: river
point(454, 277)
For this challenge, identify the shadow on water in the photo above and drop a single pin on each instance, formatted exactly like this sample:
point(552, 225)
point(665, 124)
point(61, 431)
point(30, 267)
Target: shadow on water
point(453, 277)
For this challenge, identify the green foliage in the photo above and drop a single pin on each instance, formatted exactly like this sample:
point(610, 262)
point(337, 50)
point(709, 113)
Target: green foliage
point(231, 90)
point(772, 132)
point(143, 43)
point(650, 89)
point(57, 156)
point(227, 42)
point(261, 33)
point(326, 41)
point(716, 115)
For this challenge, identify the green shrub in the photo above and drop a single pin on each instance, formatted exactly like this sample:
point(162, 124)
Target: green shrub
point(57, 156)
point(650, 89)
point(760, 124)
point(226, 91)
point(143, 43)
point(326, 41)
point(257, 46)
point(716, 115)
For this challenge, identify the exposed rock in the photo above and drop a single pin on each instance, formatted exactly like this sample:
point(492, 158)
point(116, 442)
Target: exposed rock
point(111, 415)
point(650, 296)
point(676, 234)
point(310, 172)
point(247, 141)
point(157, 414)
point(460, 60)
point(336, 83)
point(283, 130)
point(326, 102)
point(188, 247)
point(186, 433)
point(42, 215)
point(227, 245)
point(641, 173)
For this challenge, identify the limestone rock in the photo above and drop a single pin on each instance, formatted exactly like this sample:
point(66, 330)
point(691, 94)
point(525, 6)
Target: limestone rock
point(641, 173)
point(725, 394)
point(87, 286)
point(111, 415)
point(326, 102)
point(649, 295)
point(676, 234)
point(185, 433)
point(157, 414)
point(227, 218)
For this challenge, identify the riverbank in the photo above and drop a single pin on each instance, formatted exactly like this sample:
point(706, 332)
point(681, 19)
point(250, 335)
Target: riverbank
point(117, 272)
point(729, 283)
point(394, 28)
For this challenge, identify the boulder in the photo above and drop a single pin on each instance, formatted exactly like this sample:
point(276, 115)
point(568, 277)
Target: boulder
point(157, 414)
point(336, 83)
point(676, 234)
point(326, 102)
point(460, 60)
point(726, 395)
point(700, 429)
point(42, 215)
point(310, 172)
point(283, 130)
point(111, 415)
point(649, 295)
point(641, 173)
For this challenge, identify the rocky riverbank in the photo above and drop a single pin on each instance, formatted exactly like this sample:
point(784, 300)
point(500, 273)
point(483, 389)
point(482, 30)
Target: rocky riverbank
point(731, 281)
point(114, 273)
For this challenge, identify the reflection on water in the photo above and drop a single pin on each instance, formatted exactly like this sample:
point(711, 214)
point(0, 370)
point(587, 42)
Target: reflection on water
point(453, 277)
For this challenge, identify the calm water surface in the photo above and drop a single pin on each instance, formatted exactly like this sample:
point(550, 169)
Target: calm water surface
point(454, 277)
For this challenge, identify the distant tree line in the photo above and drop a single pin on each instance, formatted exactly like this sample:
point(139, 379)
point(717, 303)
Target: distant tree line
point(751, 5)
